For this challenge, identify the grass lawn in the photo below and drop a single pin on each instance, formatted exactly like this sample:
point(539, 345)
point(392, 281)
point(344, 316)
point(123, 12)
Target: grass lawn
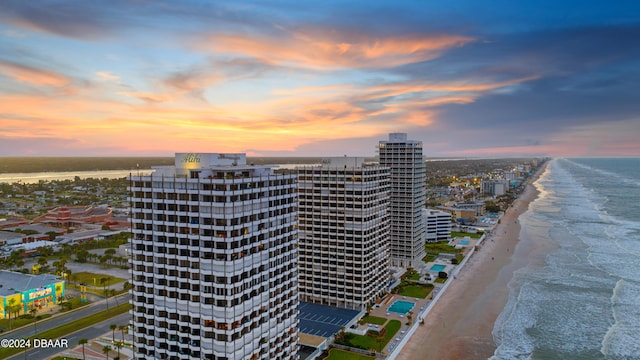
point(429, 258)
point(369, 342)
point(440, 280)
point(337, 354)
point(411, 275)
point(75, 303)
point(373, 320)
point(440, 247)
point(462, 234)
point(415, 291)
point(88, 278)
point(22, 320)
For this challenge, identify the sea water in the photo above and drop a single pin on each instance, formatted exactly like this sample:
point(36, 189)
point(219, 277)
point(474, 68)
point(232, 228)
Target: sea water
point(583, 300)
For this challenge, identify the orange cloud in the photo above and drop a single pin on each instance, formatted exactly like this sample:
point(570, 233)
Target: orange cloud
point(39, 77)
point(389, 90)
point(148, 97)
point(326, 52)
point(312, 89)
point(105, 75)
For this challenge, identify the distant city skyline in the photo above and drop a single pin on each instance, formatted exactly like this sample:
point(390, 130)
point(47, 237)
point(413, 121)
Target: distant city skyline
point(285, 78)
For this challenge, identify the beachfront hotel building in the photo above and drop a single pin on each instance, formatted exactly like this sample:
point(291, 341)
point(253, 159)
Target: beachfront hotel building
point(439, 225)
point(214, 260)
point(343, 232)
point(408, 198)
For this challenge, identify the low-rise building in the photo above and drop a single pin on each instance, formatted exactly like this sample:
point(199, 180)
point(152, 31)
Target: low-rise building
point(75, 216)
point(20, 293)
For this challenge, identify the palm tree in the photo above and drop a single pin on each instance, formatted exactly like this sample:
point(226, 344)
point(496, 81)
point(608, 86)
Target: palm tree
point(105, 350)
point(82, 342)
point(104, 282)
point(14, 308)
point(119, 344)
point(33, 312)
point(122, 329)
point(113, 328)
point(113, 294)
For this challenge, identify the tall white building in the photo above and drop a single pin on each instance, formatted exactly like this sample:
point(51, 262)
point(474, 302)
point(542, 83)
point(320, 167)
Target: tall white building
point(214, 260)
point(494, 187)
point(408, 198)
point(343, 230)
point(439, 225)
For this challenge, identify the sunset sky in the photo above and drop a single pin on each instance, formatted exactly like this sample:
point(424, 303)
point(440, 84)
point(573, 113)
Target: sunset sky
point(300, 78)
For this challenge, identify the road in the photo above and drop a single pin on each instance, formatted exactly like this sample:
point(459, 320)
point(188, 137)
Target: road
point(72, 339)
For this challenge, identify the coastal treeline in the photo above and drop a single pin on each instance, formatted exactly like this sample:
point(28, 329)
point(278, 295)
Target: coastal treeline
point(26, 164)
point(52, 164)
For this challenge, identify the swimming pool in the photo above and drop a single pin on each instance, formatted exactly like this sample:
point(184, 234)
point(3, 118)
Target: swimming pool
point(401, 307)
point(463, 242)
point(438, 267)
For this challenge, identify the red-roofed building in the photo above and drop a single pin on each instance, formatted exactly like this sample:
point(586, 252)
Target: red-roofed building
point(74, 216)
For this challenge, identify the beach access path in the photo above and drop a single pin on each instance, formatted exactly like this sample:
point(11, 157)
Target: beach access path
point(460, 324)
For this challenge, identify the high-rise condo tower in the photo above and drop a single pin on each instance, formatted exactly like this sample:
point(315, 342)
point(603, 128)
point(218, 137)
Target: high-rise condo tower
point(214, 253)
point(408, 197)
point(344, 232)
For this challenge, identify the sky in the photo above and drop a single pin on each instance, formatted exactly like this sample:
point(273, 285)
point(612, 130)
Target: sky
point(469, 78)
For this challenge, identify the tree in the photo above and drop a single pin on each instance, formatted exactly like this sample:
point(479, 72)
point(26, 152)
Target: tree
point(82, 342)
point(113, 294)
point(61, 266)
point(491, 206)
point(42, 260)
point(104, 282)
point(122, 329)
point(14, 308)
point(119, 344)
point(33, 312)
point(82, 256)
point(105, 350)
point(113, 328)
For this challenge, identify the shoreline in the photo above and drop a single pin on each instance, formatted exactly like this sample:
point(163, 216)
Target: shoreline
point(460, 324)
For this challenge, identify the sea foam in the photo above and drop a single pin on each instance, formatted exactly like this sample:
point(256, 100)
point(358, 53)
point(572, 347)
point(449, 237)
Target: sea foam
point(584, 302)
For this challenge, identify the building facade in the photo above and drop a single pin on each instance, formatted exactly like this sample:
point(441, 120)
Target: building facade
point(20, 293)
point(214, 260)
point(494, 187)
point(408, 198)
point(439, 225)
point(343, 231)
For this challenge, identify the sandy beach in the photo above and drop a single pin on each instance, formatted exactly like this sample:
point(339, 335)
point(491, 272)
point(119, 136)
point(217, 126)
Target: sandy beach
point(459, 326)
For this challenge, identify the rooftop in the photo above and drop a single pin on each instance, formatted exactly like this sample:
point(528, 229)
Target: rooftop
point(323, 320)
point(13, 282)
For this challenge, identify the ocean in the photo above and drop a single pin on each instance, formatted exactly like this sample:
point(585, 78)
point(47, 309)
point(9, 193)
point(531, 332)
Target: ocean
point(582, 300)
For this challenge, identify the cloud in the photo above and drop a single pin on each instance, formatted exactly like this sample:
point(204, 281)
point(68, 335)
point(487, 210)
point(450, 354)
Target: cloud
point(105, 75)
point(82, 20)
point(326, 49)
point(146, 96)
point(32, 75)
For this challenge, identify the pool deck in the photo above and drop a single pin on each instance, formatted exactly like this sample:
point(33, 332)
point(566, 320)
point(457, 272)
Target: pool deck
point(383, 312)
